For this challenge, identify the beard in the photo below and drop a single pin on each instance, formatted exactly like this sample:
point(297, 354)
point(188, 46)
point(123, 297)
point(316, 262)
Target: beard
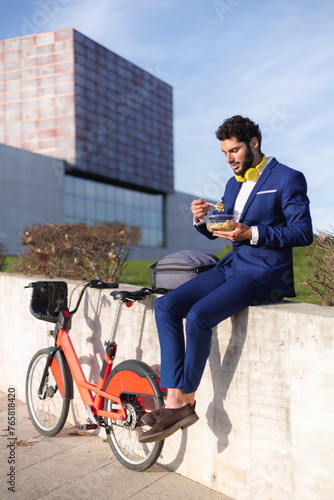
point(249, 159)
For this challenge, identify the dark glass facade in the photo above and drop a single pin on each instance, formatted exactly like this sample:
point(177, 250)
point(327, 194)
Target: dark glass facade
point(141, 213)
point(124, 122)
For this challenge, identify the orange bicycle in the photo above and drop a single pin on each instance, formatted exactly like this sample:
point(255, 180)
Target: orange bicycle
point(120, 398)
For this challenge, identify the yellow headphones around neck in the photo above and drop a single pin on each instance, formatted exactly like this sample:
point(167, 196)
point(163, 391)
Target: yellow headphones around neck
point(252, 173)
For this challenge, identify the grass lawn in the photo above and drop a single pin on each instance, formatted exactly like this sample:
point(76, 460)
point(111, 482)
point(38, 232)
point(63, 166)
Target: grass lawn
point(136, 272)
point(301, 271)
point(10, 264)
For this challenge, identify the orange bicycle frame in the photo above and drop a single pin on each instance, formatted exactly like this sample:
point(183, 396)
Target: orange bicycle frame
point(127, 381)
point(86, 388)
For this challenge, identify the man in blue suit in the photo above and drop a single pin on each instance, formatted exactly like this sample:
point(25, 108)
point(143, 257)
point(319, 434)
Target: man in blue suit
point(272, 209)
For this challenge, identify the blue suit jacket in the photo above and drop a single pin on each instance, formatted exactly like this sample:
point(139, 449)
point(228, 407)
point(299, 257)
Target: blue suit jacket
point(278, 205)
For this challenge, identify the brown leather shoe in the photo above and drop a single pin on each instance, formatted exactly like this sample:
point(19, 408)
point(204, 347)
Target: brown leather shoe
point(150, 418)
point(169, 420)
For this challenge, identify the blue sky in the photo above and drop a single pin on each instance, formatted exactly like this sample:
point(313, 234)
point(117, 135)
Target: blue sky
point(270, 60)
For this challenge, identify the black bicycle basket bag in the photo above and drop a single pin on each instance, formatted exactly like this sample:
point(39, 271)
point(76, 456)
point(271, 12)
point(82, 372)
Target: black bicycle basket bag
point(48, 299)
point(176, 268)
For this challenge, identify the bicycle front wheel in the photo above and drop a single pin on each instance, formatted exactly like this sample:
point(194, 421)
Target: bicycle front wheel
point(48, 411)
point(136, 385)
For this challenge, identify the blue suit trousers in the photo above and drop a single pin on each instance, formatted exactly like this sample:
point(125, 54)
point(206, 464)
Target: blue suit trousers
point(204, 301)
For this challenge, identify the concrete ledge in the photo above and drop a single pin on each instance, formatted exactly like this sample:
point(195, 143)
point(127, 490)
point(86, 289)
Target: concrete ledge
point(265, 402)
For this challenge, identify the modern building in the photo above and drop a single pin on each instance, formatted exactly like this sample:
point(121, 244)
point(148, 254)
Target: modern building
point(104, 127)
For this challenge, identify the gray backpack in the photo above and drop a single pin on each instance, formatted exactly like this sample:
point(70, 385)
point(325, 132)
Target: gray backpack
point(176, 268)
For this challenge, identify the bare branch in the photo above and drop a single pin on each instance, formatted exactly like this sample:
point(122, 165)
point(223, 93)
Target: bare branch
point(3, 255)
point(321, 265)
point(74, 251)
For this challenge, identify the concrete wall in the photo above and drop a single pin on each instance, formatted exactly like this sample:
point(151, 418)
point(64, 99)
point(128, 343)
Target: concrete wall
point(31, 191)
point(265, 402)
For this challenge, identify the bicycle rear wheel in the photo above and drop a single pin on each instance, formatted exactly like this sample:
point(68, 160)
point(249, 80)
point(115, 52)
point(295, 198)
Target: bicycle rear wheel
point(136, 384)
point(48, 411)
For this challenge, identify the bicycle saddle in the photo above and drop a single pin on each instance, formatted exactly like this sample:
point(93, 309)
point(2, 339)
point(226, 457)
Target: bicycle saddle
point(133, 295)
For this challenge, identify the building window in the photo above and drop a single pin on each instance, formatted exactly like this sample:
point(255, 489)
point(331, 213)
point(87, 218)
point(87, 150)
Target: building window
point(141, 213)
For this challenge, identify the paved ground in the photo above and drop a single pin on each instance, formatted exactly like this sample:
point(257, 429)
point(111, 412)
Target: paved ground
point(72, 466)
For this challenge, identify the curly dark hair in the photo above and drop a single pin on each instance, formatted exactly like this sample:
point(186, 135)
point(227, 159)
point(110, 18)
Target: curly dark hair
point(242, 128)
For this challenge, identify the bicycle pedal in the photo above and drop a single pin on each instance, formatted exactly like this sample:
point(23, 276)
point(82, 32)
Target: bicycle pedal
point(86, 427)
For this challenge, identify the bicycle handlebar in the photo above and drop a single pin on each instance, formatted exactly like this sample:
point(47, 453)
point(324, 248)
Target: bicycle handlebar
point(101, 284)
point(50, 297)
point(98, 284)
point(92, 283)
